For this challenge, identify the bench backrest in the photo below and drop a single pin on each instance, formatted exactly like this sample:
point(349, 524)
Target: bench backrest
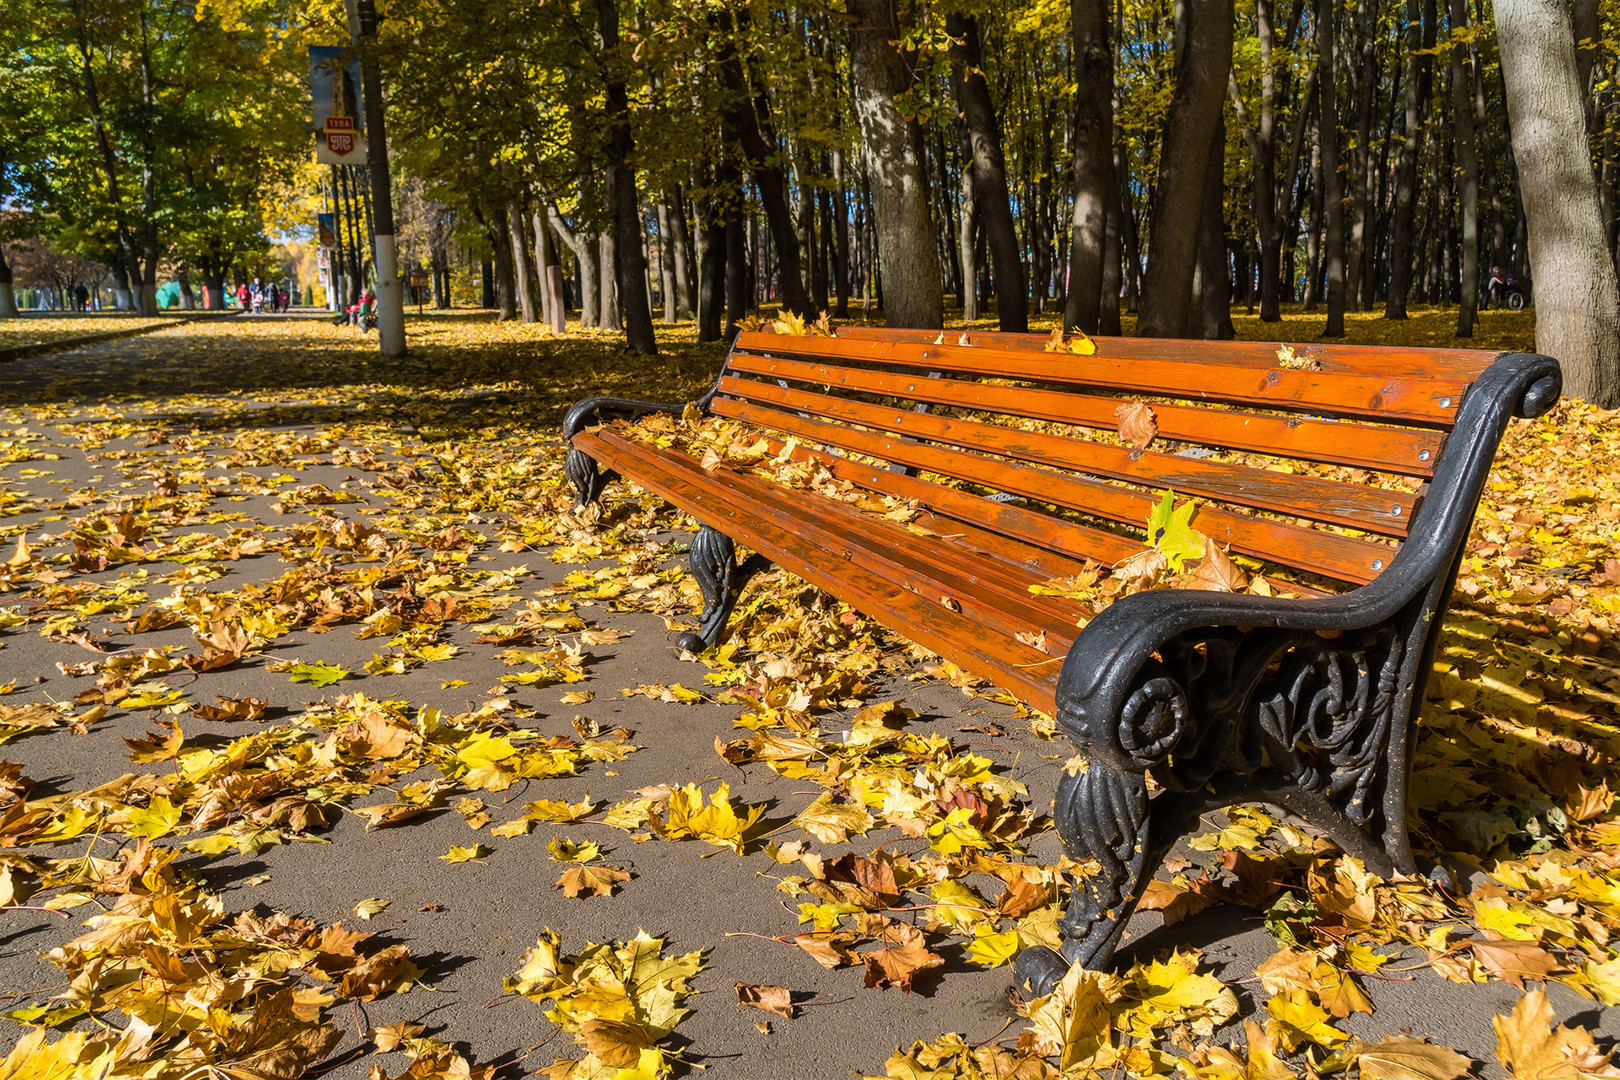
point(996, 432)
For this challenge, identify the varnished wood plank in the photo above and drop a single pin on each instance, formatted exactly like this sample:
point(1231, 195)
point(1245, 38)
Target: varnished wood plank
point(1337, 556)
point(1330, 501)
point(1398, 360)
point(1427, 402)
point(1408, 451)
point(1004, 661)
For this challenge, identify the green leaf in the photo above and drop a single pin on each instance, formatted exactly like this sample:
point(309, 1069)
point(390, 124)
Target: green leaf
point(1169, 530)
point(317, 674)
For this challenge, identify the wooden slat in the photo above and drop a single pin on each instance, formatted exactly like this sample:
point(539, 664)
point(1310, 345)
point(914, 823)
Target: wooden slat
point(998, 590)
point(1331, 501)
point(1336, 556)
point(1367, 397)
point(1408, 451)
point(1011, 532)
point(1383, 360)
point(1004, 661)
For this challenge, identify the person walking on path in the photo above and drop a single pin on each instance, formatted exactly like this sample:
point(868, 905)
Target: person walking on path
point(243, 297)
point(81, 297)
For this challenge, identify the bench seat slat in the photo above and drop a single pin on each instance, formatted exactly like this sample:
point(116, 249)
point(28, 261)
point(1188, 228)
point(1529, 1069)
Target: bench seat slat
point(956, 636)
point(1413, 400)
point(1022, 536)
point(1387, 360)
point(1354, 505)
point(993, 590)
point(1408, 451)
point(1342, 557)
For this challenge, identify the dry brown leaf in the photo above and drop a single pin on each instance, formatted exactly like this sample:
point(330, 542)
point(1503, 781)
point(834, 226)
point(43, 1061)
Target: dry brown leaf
point(1397, 1057)
point(1138, 425)
point(773, 999)
point(1515, 961)
point(615, 1042)
point(1216, 572)
point(1530, 1048)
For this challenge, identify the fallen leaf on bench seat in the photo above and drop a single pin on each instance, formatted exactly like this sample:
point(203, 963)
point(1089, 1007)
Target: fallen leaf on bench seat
point(1138, 425)
point(1216, 572)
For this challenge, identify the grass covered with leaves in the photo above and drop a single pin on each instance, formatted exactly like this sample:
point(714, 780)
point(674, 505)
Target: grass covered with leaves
point(313, 595)
point(40, 329)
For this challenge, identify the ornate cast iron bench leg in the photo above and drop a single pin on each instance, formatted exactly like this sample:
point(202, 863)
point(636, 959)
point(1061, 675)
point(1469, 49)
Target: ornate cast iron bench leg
point(714, 565)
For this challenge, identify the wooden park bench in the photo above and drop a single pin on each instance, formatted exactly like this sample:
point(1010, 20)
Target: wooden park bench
point(1304, 701)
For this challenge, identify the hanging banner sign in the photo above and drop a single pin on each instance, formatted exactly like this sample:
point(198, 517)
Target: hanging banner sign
point(327, 225)
point(339, 116)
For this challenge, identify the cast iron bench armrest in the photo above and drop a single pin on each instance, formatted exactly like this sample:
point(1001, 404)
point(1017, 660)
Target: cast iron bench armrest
point(1303, 703)
point(580, 467)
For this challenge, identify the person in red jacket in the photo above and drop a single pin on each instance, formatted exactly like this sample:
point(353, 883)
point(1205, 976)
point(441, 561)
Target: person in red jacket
point(243, 296)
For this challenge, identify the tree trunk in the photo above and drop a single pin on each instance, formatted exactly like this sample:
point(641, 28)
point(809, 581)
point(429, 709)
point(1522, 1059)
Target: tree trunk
point(523, 280)
point(1577, 298)
point(982, 134)
point(1327, 119)
point(1262, 140)
point(1366, 85)
point(8, 296)
point(967, 230)
point(840, 237)
point(1093, 160)
point(1462, 109)
point(738, 279)
point(666, 264)
point(745, 106)
point(606, 272)
point(1420, 38)
point(712, 283)
point(630, 269)
point(1215, 300)
point(583, 244)
point(1195, 106)
point(682, 254)
point(542, 268)
point(908, 257)
point(500, 241)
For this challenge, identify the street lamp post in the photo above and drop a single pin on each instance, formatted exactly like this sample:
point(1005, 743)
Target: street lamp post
point(390, 297)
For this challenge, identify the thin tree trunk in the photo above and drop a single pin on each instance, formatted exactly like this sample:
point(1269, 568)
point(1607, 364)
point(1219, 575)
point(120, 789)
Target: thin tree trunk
point(712, 277)
point(1462, 109)
point(680, 232)
point(1420, 38)
point(520, 263)
point(967, 229)
point(982, 133)
point(1093, 161)
point(840, 236)
point(1201, 75)
point(666, 264)
point(907, 255)
point(628, 267)
point(1215, 300)
point(1577, 298)
point(500, 241)
point(1327, 120)
point(1366, 84)
point(1262, 140)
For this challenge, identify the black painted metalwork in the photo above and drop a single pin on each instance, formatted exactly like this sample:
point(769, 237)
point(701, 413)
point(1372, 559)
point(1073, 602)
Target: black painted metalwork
point(581, 469)
point(1303, 704)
